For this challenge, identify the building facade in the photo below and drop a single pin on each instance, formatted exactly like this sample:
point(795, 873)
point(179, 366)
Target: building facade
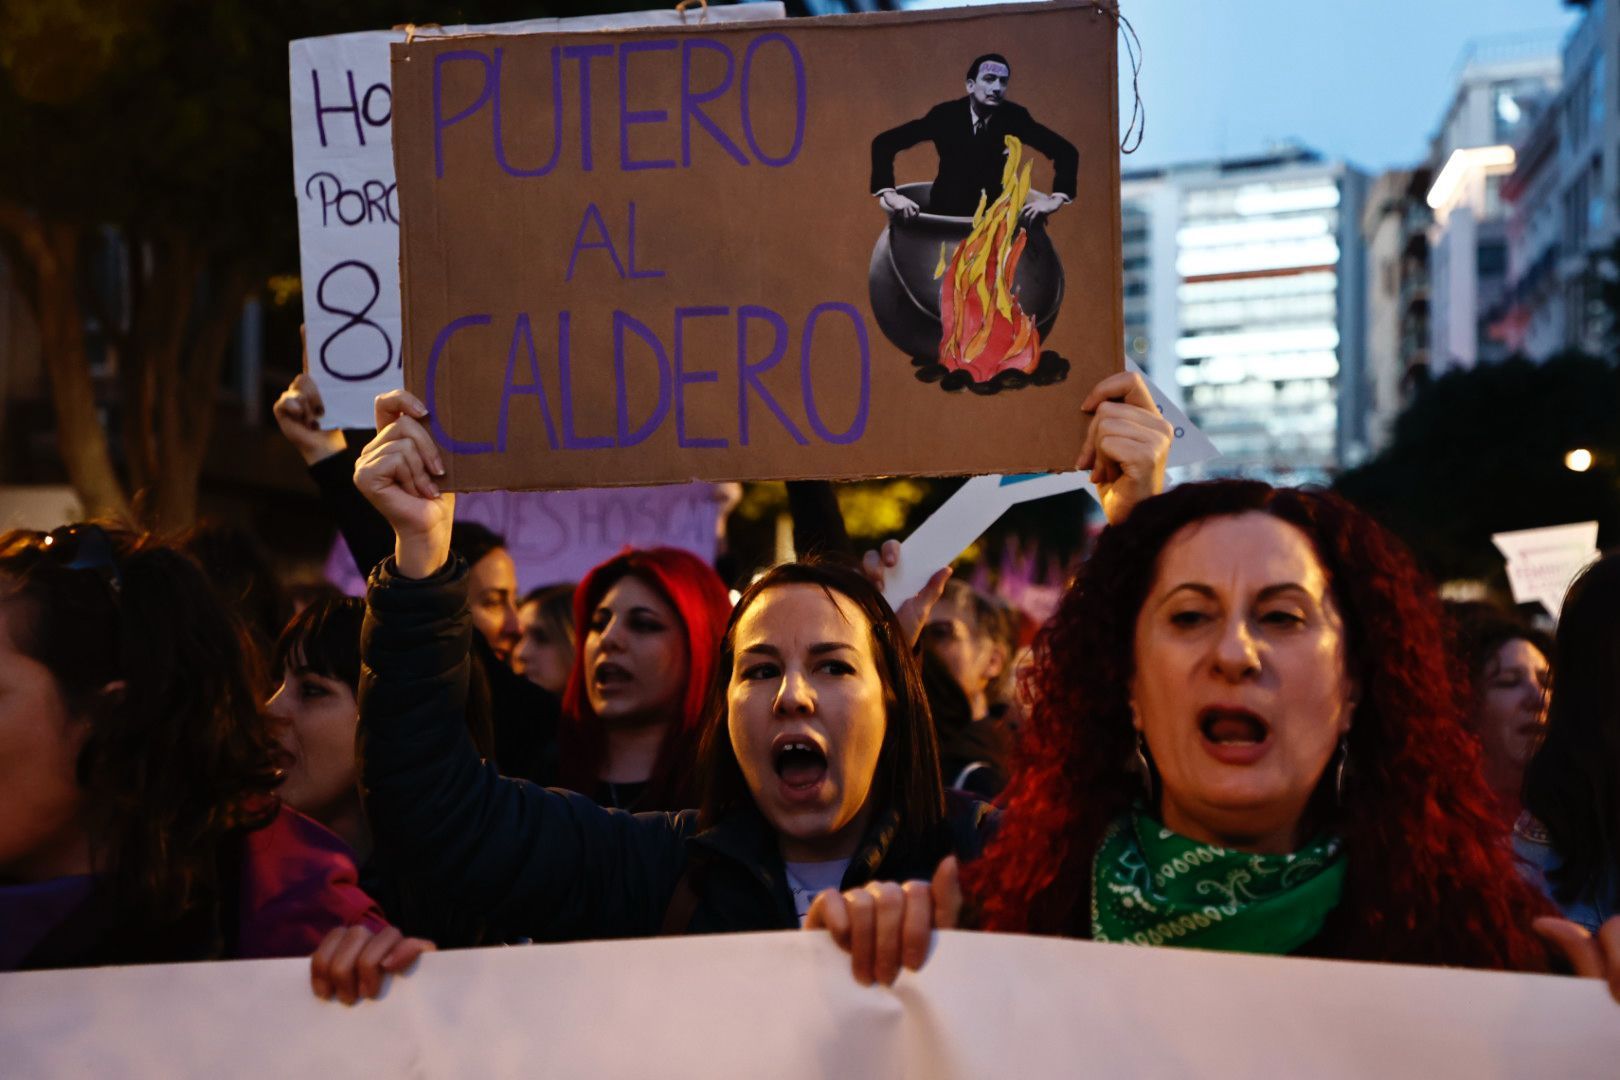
point(1501, 87)
point(1394, 227)
point(1561, 216)
point(1254, 297)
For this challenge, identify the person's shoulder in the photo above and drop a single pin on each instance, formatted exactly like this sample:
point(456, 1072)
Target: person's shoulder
point(1014, 111)
point(947, 109)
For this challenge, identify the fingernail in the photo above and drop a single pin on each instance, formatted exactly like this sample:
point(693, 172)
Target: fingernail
point(433, 490)
point(438, 467)
point(323, 991)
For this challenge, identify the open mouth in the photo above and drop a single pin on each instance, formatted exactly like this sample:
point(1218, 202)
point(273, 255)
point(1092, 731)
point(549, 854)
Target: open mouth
point(800, 763)
point(283, 759)
point(607, 673)
point(1232, 727)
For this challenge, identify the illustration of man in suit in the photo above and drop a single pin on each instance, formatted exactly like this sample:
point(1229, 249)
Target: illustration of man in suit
point(969, 134)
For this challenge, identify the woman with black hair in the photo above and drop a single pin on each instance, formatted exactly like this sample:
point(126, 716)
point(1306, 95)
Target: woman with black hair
point(138, 816)
point(1568, 837)
point(817, 763)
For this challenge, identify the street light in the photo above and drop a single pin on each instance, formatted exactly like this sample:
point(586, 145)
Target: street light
point(1578, 460)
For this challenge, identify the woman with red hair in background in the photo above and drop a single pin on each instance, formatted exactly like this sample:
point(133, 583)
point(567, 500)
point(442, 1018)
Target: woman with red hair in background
point(1245, 736)
point(650, 624)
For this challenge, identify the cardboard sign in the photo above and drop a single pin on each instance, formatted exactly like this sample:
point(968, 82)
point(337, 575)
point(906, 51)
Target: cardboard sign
point(784, 1005)
point(651, 256)
point(556, 536)
point(1542, 562)
point(348, 203)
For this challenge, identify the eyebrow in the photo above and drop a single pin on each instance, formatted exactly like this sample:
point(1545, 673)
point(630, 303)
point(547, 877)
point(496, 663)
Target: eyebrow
point(1267, 593)
point(820, 648)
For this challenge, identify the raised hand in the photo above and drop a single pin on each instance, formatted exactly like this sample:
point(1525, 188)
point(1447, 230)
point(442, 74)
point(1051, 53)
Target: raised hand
point(396, 474)
point(1127, 444)
point(298, 414)
point(352, 962)
point(886, 927)
point(914, 611)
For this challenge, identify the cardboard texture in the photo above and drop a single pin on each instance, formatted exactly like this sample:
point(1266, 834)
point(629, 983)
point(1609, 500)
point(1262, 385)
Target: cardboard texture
point(348, 211)
point(645, 256)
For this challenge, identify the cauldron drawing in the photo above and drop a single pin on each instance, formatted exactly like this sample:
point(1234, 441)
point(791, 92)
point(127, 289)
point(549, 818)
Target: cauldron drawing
point(905, 293)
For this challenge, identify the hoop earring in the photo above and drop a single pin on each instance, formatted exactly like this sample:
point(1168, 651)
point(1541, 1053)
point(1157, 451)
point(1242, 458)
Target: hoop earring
point(1144, 768)
point(1343, 754)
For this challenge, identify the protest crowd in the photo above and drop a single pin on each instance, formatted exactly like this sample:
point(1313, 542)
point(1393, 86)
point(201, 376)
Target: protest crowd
point(1238, 675)
point(1249, 724)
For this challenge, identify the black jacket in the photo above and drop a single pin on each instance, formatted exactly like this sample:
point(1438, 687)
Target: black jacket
point(971, 161)
point(551, 865)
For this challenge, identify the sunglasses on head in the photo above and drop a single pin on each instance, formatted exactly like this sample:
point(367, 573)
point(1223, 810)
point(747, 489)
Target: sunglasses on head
point(85, 547)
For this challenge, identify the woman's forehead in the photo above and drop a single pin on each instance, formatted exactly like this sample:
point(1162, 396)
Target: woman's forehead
point(802, 608)
point(1240, 551)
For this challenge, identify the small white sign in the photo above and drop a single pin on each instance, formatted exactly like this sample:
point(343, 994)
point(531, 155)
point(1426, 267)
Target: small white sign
point(348, 207)
point(1542, 562)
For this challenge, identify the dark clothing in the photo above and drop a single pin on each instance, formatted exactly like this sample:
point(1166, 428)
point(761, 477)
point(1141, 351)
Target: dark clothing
point(972, 752)
point(280, 889)
point(551, 865)
point(512, 719)
point(971, 162)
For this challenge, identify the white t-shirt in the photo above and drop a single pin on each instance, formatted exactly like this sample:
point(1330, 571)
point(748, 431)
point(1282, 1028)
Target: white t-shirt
point(806, 879)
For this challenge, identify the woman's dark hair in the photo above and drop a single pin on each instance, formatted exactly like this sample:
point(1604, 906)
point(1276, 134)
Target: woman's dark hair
point(556, 610)
point(239, 569)
point(176, 758)
point(1572, 785)
point(324, 638)
point(907, 777)
point(473, 541)
point(1479, 629)
point(701, 603)
point(1430, 876)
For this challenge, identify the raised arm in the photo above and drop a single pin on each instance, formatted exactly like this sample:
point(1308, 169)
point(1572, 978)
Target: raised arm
point(522, 859)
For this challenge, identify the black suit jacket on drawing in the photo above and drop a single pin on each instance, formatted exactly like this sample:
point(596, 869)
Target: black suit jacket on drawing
point(971, 162)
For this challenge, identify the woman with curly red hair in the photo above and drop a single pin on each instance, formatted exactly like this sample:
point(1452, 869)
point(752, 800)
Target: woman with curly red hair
point(1246, 736)
point(651, 622)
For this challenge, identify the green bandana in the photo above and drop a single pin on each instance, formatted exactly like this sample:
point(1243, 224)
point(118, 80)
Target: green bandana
point(1153, 887)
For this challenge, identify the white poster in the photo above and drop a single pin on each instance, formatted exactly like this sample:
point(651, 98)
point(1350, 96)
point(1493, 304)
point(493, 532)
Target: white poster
point(1542, 562)
point(783, 1005)
point(348, 209)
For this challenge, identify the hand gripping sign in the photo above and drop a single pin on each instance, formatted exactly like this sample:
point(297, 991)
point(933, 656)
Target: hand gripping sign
point(977, 504)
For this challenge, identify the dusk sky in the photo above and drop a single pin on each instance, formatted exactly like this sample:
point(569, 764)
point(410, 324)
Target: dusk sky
point(1364, 80)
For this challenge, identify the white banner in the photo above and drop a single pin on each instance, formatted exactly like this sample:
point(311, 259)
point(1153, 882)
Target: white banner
point(784, 1005)
point(348, 211)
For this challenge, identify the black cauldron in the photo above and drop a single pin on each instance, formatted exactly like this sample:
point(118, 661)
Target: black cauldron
point(905, 293)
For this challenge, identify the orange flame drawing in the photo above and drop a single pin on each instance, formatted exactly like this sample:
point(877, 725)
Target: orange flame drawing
point(985, 331)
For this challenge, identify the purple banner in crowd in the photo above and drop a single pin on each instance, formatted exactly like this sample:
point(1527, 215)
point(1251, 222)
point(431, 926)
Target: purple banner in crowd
point(558, 535)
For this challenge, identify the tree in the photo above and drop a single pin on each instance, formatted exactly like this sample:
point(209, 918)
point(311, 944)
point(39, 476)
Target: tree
point(146, 191)
point(1482, 451)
